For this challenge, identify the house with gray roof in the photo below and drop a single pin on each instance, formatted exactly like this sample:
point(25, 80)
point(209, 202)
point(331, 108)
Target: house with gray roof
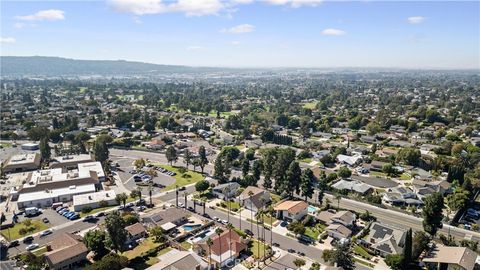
point(385, 239)
point(352, 186)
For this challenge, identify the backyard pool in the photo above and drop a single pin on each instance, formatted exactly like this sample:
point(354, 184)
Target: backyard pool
point(190, 227)
point(312, 209)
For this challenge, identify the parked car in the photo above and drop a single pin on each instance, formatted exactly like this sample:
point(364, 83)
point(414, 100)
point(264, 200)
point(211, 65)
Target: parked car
point(28, 239)
point(248, 232)
point(224, 222)
point(276, 244)
point(88, 218)
point(301, 253)
point(13, 243)
point(32, 246)
point(46, 232)
point(206, 215)
point(45, 220)
point(130, 204)
point(74, 217)
point(190, 208)
point(291, 250)
point(182, 188)
point(101, 214)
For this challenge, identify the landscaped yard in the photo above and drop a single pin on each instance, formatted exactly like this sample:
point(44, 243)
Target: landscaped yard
point(405, 176)
point(310, 105)
point(96, 210)
point(240, 147)
point(234, 206)
point(187, 178)
point(186, 245)
point(255, 247)
point(222, 114)
point(314, 231)
point(14, 232)
point(275, 198)
point(380, 174)
point(146, 245)
point(359, 250)
point(307, 160)
point(39, 251)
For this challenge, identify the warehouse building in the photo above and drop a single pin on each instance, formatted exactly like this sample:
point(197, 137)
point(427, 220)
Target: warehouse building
point(93, 199)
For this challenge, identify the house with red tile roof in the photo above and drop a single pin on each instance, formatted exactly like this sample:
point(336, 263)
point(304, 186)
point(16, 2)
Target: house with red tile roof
point(291, 210)
point(226, 247)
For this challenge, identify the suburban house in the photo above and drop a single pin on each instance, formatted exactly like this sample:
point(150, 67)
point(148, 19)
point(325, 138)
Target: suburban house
point(385, 240)
point(167, 219)
point(66, 252)
point(156, 144)
point(226, 191)
point(349, 160)
point(449, 258)
point(222, 247)
point(179, 260)
point(338, 231)
point(424, 188)
point(353, 186)
point(135, 232)
point(291, 210)
point(254, 198)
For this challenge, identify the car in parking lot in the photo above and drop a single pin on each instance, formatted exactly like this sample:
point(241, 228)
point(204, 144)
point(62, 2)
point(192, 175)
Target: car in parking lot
point(46, 232)
point(291, 250)
point(190, 208)
point(130, 204)
point(28, 239)
point(216, 219)
point(141, 208)
point(206, 215)
point(224, 222)
point(88, 218)
point(74, 217)
point(32, 246)
point(276, 244)
point(13, 243)
point(301, 253)
point(45, 220)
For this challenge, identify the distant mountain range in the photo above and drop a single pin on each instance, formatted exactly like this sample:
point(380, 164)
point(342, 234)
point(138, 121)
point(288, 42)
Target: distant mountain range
point(57, 66)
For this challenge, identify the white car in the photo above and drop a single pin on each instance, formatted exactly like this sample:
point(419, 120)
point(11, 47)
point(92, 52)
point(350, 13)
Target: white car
point(224, 222)
point(32, 246)
point(46, 232)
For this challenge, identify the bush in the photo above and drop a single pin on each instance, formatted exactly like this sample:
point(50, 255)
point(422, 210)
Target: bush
point(103, 203)
point(87, 209)
point(186, 175)
point(182, 170)
point(22, 231)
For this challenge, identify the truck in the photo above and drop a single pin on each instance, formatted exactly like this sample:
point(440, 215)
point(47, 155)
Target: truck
point(32, 211)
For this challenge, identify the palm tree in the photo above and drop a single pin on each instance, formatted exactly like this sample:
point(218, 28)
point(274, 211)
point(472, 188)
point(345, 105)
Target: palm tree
point(250, 194)
point(257, 217)
point(185, 194)
point(227, 190)
point(338, 197)
point(240, 213)
point(176, 195)
point(230, 227)
point(204, 201)
point(209, 244)
point(219, 231)
point(150, 191)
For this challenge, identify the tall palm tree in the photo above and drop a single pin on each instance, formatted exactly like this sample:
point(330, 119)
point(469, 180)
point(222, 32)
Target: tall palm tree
point(257, 217)
point(338, 197)
point(204, 201)
point(240, 213)
point(176, 195)
point(250, 194)
point(219, 231)
point(230, 227)
point(150, 191)
point(227, 190)
point(209, 244)
point(185, 194)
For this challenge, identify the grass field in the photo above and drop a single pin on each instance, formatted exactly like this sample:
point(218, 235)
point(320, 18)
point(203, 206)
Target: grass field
point(307, 160)
point(310, 105)
point(374, 173)
point(256, 248)
point(359, 250)
point(190, 177)
point(222, 114)
point(186, 245)
point(234, 206)
point(142, 247)
point(14, 232)
point(405, 176)
point(314, 231)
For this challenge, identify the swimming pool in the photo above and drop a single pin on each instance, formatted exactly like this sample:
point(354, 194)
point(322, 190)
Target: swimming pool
point(312, 209)
point(190, 227)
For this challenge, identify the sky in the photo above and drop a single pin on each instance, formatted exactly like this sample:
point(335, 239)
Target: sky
point(246, 33)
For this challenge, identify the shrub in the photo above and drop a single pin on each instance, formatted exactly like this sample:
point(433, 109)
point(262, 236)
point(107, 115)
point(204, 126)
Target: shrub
point(182, 170)
point(103, 203)
point(186, 175)
point(87, 209)
point(22, 231)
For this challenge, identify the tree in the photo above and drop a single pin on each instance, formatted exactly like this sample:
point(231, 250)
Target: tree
point(408, 249)
point(111, 261)
point(171, 154)
point(341, 255)
point(116, 230)
point(139, 163)
point(299, 262)
point(219, 169)
point(136, 193)
point(45, 150)
point(306, 183)
point(432, 213)
point(292, 184)
point(344, 172)
point(95, 241)
point(420, 243)
point(203, 157)
point(409, 155)
point(245, 167)
point(187, 157)
point(100, 150)
point(209, 244)
point(121, 198)
point(315, 266)
point(257, 169)
point(458, 199)
point(38, 133)
point(389, 169)
point(373, 128)
point(395, 261)
point(219, 231)
point(158, 234)
point(201, 186)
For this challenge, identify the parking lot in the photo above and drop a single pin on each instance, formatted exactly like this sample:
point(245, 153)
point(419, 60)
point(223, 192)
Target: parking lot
point(123, 171)
point(471, 217)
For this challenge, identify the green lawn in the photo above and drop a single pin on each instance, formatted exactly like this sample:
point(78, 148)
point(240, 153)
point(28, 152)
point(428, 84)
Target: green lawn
point(14, 232)
point(240, 147)
point(256, 247)
point(39, 251)
point(374, 173)
point(222, 114)
point(275, 198)
point(310, 105)
point(186, 245)
point(96, 210)
point(307, 160)
point(405, 176)
point(359, 250)
point(234, 206)
point(370, 265)
point(142, 247)
point(82, 89)
point(314, 231)
point(5, 144)
point(190, 177)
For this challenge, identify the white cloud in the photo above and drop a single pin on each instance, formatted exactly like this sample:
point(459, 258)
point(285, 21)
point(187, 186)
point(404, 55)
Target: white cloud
point(239, 29)
point(189, 7)
point(416, 19)
point(44, 15)
point(296, 3)
point(194, 48)
point(333, 32)
point(7, 40)
point(137, 20)
point(235, 42)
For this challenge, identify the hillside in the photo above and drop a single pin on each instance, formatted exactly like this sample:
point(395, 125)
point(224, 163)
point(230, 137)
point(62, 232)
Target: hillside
point(56, 66)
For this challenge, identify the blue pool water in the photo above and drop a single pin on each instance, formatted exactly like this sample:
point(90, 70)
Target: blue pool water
point(312, 209)
point(190, 227)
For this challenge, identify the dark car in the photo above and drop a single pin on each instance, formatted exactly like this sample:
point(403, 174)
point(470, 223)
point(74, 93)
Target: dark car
point(182, 188)
point(190, 209)
point(276, 244)
point(100, 214)
point(248, 232)
point(28, 239)
point(301, 253)
point(291, 250)
point(45, 220)
point(206, 215)
point(14, 243)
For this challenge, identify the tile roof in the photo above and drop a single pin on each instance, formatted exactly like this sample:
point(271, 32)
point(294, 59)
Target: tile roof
point(292, 207)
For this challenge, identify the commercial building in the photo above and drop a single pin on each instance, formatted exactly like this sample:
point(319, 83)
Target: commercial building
point(30, 146)
point(93, 199)
point(22, 163)
point(70, 162)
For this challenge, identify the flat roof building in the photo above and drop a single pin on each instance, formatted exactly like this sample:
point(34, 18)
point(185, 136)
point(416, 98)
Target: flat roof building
point(22, 163)
point(93, 199)
point(70, 162)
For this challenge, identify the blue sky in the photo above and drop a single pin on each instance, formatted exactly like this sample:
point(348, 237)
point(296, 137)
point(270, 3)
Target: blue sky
point(271, 33)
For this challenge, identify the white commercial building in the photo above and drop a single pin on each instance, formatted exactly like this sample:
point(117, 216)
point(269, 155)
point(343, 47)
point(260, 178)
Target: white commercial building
point(46, 198)
point(93, 199)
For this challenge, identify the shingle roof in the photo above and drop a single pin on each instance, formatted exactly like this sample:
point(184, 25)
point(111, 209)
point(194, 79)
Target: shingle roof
point(65, 246)
point(453, 255)
point(135, 229)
